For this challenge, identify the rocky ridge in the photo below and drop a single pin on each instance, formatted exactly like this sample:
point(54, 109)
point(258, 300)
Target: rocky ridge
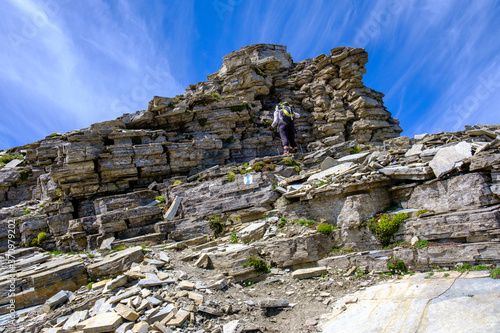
point(99, 193)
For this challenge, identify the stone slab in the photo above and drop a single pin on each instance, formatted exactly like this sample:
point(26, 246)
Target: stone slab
point(211, 311)
point(307, 273)
point(56, 300)
point(332, 171)
point(186, 285)
point(129, 293)
point(162, 314)
point(253, 232)
point(355, 158)
point(179, 318)
point(418, 303)
point(273, 303)
point(404, 172)
point(415, 150)
point(104, 322)
point(115, 263)
point(126, 312)
point(172, 210)
point(12, 164)
point(445, 159)
point(75, 319)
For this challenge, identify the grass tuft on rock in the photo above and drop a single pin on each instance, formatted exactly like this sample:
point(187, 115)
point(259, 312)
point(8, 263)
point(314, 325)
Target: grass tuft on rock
point(384, 228)
point(216, 225)
point(326, 228)
point(258, 264)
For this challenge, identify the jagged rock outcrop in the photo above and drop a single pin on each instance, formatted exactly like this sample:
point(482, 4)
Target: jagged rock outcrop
point(213, 123)
point(216, 122)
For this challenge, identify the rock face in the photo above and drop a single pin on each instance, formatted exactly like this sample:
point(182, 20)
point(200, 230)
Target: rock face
point(220, 121)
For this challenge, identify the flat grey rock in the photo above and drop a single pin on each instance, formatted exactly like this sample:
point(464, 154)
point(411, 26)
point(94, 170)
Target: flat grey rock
point(307, 273)
point(445, 159)
point(273, 303)
point(332, 171)
point(404, 172)
point(455, 303)
point(355, 158)
point(12, 164)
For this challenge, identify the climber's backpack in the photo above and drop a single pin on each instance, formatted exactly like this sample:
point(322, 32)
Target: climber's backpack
point(286, 112)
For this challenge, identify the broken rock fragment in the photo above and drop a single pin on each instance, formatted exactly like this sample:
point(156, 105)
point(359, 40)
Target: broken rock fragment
point(307, 273)
point(115, 263)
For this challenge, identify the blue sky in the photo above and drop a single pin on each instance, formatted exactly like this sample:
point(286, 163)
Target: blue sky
point(67, 64)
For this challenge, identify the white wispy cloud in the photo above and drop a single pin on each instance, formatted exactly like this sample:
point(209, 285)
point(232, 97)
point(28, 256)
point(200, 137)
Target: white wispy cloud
point(75, 70)
point(455, 67)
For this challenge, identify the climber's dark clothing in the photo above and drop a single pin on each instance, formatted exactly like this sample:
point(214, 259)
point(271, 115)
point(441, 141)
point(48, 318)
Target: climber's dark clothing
point(287, 133)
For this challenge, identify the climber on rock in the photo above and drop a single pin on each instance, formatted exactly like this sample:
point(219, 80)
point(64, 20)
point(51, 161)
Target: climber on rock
point(283, 118)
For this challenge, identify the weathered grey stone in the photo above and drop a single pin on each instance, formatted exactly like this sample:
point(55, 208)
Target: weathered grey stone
point(12, 164)
point(404, 172)
point(482, 131)
point(328, 163)
point(153, 280)
point(42, 284)
point(36, 259)
point(126, 312)
point(415, 150)
point(115, 283)
point(75, 319)
point(419, 137)
point(354, 158)
point(180, 317)
point(104, 322)
point(471, 225)
point(153, 301)
point(449, 255)
point(129, 293)
point(373, 261)
point(273, 303)
point(161, 314)
point(220, 284)
point(211, 311)
point(125, 327)
point(219, 196)
point(253, 232)
point(307, 273)
point(428, 302)
point(123, 201)
point(231, 327)
point(106, 244)
point(332, 171)
point(56, 300)
point(457, 193)
point(204, 261)
point(445, 159)
point(115, 263)
point(358, 208)
point(484, 161)
point(299, 250)
point(172, 210)
point(398, 143)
